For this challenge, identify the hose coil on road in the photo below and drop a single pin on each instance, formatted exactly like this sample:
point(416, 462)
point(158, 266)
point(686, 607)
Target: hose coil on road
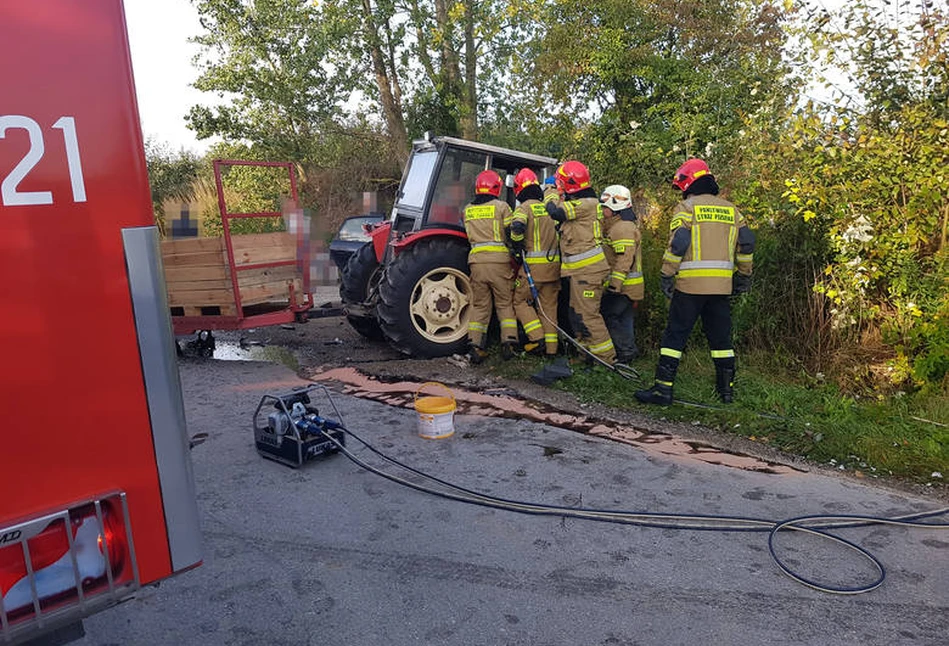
point(815, 525)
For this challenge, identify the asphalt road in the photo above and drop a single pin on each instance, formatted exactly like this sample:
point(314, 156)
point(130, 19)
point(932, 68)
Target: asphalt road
point(332, 554)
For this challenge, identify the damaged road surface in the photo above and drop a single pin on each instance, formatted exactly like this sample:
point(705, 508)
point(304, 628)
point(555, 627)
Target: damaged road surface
point(333, 554)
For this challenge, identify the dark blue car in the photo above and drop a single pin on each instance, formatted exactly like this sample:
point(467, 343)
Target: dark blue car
point(351, 236)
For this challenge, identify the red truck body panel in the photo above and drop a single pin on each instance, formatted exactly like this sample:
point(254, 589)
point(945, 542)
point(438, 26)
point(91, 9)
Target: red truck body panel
point(73, 177)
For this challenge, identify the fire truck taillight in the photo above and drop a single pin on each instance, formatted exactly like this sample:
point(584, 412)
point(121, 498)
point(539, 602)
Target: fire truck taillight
point(74, 557)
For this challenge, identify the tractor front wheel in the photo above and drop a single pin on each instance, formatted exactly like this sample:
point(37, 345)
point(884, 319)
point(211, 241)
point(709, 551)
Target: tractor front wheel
point(357, 284)
point(425, 298)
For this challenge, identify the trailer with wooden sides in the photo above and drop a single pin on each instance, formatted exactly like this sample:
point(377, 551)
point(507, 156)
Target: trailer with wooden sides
point(239, 281)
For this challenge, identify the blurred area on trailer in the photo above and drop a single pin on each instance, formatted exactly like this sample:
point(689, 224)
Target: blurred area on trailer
point(254, 265)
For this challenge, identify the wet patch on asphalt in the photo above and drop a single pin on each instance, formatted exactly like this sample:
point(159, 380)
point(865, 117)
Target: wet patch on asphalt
point(402, 393)
point(253, 351)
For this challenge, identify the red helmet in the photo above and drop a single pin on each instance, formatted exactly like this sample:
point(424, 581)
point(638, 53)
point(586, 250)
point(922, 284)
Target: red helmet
point(689, 172)
point(524, 178)
point(488, 183)
point(572, 176)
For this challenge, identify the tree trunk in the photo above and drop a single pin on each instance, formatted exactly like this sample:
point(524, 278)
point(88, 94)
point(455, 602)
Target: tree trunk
point(469, 104)
point(391, 107)
point(423, 44)
point(449, 62)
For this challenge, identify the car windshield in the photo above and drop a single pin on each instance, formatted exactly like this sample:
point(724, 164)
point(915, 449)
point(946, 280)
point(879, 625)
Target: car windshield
point(352, 228)
point(416, 182)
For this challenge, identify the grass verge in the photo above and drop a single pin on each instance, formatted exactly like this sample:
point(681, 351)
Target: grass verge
point(903, 436)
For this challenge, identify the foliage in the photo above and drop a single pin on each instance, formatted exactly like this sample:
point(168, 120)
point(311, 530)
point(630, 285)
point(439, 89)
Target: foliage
point(657, 82)
point(847, 194)
point(171, 176)
point(280, 70)
point(862, 205)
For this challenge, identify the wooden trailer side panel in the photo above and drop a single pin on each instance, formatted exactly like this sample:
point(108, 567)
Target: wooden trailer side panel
point(198, 277)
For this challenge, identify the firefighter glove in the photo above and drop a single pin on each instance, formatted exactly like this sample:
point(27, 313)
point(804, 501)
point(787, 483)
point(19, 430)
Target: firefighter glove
point(741, 283)
point(667, 283)
point(555, 212)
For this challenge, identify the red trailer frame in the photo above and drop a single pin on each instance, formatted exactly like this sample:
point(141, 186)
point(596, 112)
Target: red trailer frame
point(293, 312)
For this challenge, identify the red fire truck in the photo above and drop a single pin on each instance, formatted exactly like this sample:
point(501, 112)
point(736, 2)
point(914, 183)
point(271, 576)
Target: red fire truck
point(96, 489)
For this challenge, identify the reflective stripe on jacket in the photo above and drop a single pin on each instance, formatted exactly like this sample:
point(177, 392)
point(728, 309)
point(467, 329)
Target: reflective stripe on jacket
point(540, 240)
point(624, 253)
point(709, 262)
point(485, 225)
point(581, 237)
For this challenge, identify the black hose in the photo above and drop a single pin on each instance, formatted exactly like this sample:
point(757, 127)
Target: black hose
point(816, 525)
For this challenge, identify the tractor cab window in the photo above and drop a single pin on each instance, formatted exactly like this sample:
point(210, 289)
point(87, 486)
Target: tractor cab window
point(417, 180)
point(455, 186)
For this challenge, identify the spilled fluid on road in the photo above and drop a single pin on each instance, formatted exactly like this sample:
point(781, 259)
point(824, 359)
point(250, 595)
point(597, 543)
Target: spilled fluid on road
point(227, 351)
point(502, 403)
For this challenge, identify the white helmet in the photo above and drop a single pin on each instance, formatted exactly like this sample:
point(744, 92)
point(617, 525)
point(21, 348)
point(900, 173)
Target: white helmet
point(616, 198)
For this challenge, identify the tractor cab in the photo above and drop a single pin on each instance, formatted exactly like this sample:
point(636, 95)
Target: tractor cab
point(409, 284)
point(439, 180)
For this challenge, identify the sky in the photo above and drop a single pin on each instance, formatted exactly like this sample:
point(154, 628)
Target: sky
point(161, 61)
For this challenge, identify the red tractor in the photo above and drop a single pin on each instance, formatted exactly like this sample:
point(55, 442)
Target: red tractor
point(410, 284)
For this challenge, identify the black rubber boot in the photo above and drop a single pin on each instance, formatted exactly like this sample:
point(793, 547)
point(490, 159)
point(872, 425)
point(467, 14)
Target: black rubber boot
point(476, 355)
point(659, 394)
point(508, 350)
point(661, 391)
point(725, 381)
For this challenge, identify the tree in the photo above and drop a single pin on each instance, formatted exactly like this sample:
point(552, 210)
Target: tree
point(280, 70)
point(432, 63)
point(858, 185)
point(171, 176)
point(650, 83)
point(287, 75)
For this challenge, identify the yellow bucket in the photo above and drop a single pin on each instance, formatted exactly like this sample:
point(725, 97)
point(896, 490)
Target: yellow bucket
point(435, 414)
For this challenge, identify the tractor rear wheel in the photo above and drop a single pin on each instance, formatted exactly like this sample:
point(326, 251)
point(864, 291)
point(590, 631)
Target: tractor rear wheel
point(425, 298)
point(357, 283)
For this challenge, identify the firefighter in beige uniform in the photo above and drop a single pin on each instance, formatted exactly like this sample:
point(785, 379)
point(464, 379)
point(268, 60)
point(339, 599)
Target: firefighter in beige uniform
point(709, 258)
point(624, 288)
point(534, 234)
point(551, 194)
point(582, 260)
point(489, 261)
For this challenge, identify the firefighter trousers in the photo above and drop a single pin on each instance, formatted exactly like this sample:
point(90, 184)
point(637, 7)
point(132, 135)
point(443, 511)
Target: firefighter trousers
point(586, 292)
point(684, 311)
point(491, 282)
point(618, 314)
point(538, 326)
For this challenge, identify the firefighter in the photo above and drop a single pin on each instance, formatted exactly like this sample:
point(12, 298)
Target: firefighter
point(489, 261)
point(550, 190)
point(709, 258)
point(624, 287)
point(582, 259)
point(535, 234)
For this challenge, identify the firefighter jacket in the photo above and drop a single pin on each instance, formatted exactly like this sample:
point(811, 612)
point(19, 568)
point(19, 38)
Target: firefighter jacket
point(623, 250)
point(581, 237)
point(551, 194)
point(539, 234)
point(485, 225)
point(709, 242)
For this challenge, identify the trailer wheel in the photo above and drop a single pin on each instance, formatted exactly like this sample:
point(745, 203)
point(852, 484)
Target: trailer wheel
point(358, 281)
point(425, 299)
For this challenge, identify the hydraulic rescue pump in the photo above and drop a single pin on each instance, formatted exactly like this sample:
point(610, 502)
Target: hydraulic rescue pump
point(294, 432)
